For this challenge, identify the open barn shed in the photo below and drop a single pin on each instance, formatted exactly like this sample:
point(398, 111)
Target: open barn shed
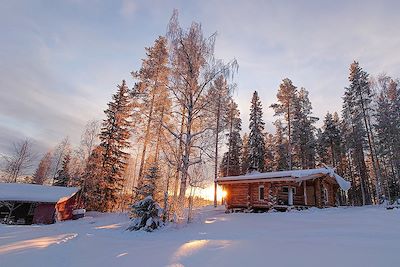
point(37, 204)
point(283, 189)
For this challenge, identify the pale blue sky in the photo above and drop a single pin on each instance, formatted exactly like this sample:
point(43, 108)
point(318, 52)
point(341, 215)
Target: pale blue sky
point(60, 61)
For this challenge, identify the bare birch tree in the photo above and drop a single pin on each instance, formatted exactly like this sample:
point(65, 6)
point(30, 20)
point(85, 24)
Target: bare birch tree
point(89, 139)
point(19, 162)
point(193, 69)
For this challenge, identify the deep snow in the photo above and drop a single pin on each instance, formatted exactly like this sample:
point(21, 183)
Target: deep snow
point(364, 236)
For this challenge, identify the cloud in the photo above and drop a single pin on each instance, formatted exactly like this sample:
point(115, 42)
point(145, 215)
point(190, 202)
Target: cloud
point(60, 62)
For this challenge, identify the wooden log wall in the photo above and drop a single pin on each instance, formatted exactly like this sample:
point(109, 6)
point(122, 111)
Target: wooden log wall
point(246, 195)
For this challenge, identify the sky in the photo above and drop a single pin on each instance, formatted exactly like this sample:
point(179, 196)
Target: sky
point(60, 61)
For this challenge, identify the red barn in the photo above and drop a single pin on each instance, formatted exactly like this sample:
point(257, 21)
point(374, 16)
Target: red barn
point(39, 204)
point(283, 189)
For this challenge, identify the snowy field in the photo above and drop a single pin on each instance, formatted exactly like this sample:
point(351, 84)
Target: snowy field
point(366, 236)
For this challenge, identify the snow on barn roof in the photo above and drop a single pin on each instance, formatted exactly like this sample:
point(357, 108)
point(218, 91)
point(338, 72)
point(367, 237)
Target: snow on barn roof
point(35, 193)
point(293, 175)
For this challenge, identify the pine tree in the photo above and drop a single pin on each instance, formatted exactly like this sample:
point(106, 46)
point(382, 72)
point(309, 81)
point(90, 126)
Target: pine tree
point(256, 137)
point(152, 84)
point(356, 100)
point(280, 148)
point(220, 98)
point(42, 173)
point(387, 126)
point(63, 175)
point(286, 107)
point(231, 161)
point(114, 136)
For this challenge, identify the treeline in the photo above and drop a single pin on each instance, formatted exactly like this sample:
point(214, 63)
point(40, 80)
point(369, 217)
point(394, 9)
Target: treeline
point(362, 144)
point(162, 137)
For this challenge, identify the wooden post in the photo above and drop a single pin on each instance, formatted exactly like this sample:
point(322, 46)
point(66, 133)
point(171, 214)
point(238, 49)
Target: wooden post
point(305, 192)
point(317, 189)
point(215, 194)
point(249, 196)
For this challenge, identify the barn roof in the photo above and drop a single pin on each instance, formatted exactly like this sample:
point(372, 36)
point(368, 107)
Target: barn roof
point(35, 193)
point(293, 175)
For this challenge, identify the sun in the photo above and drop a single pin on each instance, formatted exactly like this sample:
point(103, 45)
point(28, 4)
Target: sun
point(224, 194)
point(208, 193)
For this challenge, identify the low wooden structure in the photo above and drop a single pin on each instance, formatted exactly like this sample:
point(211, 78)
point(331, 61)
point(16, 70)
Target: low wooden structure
point(283, 189)
point(38, 204)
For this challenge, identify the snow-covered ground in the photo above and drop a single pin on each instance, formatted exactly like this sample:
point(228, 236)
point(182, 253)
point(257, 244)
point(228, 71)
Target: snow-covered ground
point(366, 236)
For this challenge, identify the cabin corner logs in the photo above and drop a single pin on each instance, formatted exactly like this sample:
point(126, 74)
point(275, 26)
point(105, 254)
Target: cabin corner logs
point(319, 192)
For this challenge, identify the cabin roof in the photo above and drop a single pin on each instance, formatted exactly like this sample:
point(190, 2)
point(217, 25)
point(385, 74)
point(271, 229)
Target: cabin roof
point(35, 193)
point(293, 175)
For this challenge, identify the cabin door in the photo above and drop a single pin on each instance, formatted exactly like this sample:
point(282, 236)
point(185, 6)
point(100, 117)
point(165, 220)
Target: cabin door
point(310, 195)
point(290, 196)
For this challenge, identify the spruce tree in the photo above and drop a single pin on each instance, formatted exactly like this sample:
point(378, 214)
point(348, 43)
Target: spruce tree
point(58, 156)
point(321, 148)
point(303, 132)
point(63, 175)
point(331, 140)
point(146, 213)
point(114, 136)
point(256, 137)
point(151, 183)
point(244, 158)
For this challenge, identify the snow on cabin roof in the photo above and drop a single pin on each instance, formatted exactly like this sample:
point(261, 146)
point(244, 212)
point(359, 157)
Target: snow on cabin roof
point(35, 193)
point(293, 175)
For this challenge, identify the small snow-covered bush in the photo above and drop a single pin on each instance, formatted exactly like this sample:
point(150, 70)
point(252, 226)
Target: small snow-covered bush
point(146, 215)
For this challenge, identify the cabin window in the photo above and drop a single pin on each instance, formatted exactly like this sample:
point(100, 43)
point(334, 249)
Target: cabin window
point(261, 192)
point(285, 190)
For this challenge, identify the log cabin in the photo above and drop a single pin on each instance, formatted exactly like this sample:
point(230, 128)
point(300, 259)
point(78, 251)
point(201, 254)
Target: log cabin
point(36, 204)
point(283, 190)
